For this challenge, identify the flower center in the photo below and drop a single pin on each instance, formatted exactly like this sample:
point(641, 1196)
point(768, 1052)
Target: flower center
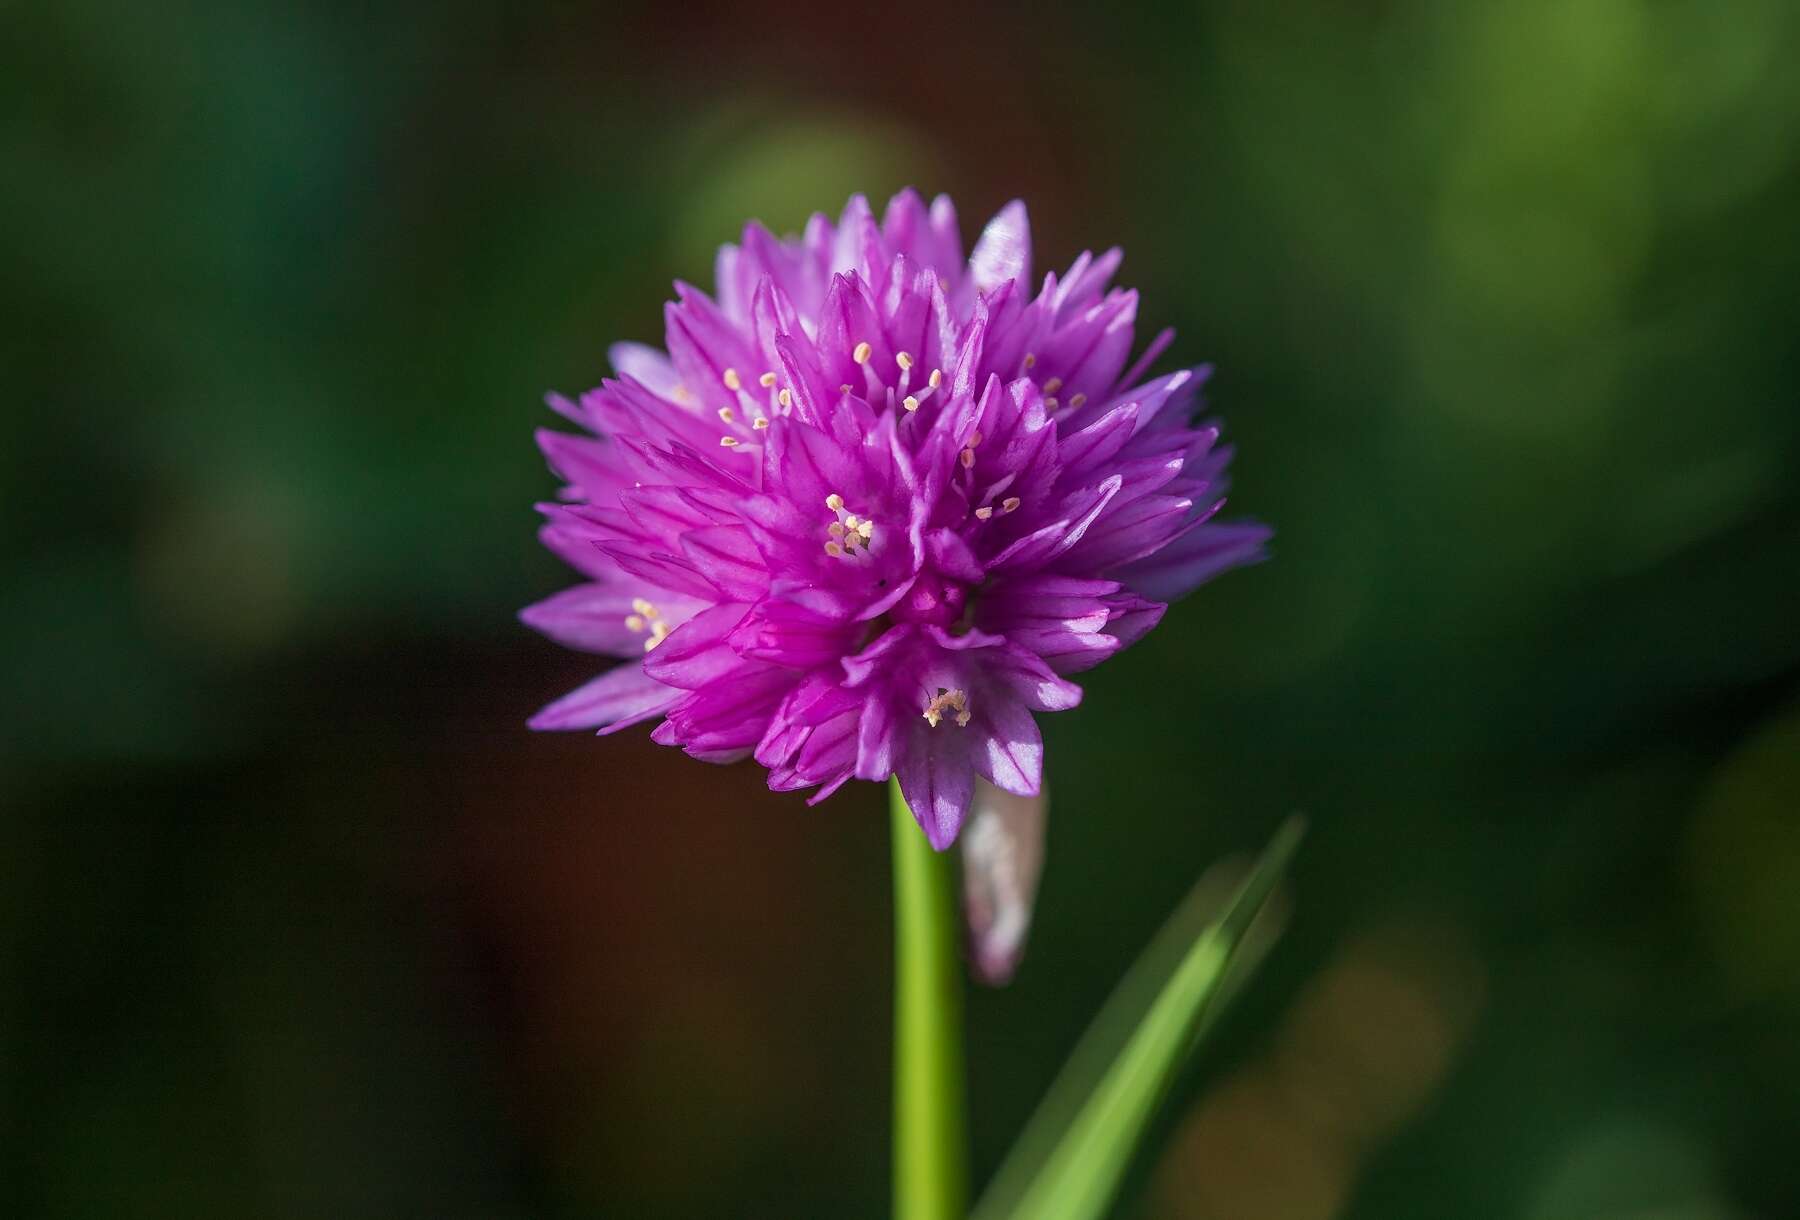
point(933, 600)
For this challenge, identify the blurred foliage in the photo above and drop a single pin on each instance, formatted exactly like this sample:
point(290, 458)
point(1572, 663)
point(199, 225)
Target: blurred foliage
point(297, 919)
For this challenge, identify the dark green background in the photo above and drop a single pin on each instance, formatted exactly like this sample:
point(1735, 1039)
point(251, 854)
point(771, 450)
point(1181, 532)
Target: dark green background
point(296, 919)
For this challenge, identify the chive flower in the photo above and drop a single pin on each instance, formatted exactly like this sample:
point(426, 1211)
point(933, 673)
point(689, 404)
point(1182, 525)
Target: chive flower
point(873, 505)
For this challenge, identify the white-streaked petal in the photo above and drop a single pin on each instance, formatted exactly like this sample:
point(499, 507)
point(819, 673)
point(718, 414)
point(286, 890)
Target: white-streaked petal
point(1003, 251)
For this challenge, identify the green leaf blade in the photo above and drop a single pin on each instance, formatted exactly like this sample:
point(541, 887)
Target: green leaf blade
point(1072, 1170)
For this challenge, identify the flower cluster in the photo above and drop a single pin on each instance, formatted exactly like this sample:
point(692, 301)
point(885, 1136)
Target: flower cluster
point(874, 505)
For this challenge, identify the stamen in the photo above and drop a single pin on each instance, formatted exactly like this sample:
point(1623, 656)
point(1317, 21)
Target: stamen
point(766, 380)
point(914, 402)
point(861, 353)
point(984, 512)
point(726, 414)
point(643, 616)
point(904, 360)
point(759, 423)
point(1076, 400)
point(849, 533)
point(947, 701)
point(1050, 404)
point(1026, 363)
point(1010, 503)
point(731, 380)
point(968, 459)
point(1053, 385)
point(729, 442)
point(785, 398)
point(683, 394)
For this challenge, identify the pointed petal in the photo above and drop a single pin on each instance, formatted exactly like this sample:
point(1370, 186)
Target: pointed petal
point(647, 365)
point(1196, 558)
point(617, 698)
point(591, 617)
point(1003, 251)
point(937, 778)
point(1010, 750)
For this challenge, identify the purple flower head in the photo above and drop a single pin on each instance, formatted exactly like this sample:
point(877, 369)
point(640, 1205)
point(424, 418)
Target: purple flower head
point(875, 504)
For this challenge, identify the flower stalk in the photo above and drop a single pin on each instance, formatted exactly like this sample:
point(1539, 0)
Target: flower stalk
point(931, 1161)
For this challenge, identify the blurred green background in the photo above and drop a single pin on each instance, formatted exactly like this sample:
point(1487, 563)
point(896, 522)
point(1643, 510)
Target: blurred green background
point(297, 919)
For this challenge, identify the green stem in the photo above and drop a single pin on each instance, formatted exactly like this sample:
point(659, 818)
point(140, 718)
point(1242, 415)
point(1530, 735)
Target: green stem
point(931, 1162)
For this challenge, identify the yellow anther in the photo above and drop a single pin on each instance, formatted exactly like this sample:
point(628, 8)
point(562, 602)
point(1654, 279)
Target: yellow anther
point(786, 397)
point(1010, 503)
point(1076, 400)
point(904, 360)
point(1029, 360)
point(726, 415)
point(947, 701)
point(910, 403)
point(1053, 385)
point(968, 459)
point(729, 442)
point(766, 380)
point(983, 513)
point(731, 380)
point(936, 379)
point(849, 532)
point(861, 353)
point(759, 423)
point(645, 616)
